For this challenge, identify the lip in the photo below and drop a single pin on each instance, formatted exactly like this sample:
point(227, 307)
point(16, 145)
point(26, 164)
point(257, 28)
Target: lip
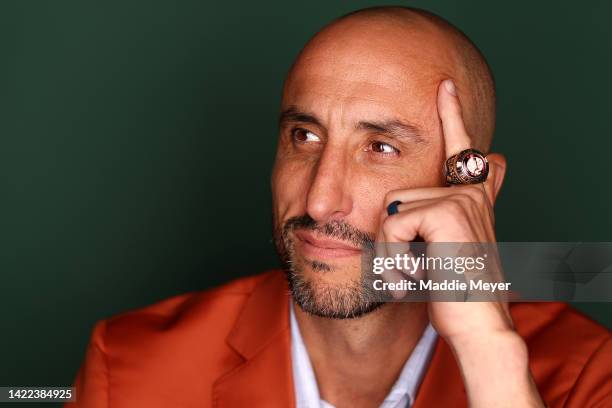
point(324, 248)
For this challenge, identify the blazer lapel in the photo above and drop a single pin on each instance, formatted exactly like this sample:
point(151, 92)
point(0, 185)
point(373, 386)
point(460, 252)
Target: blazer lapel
point(261, 336)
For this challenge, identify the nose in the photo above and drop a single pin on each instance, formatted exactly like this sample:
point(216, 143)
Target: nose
point(328, 196)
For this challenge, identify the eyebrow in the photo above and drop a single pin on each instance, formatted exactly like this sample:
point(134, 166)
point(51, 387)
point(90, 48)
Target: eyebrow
point(391, 128)
point(293, 114)
point(395, 129)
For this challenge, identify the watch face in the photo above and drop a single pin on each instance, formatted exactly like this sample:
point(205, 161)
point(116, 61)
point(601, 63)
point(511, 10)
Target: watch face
point(474, 164)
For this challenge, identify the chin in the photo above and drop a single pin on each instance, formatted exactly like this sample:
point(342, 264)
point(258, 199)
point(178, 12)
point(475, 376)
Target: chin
point(333, 290)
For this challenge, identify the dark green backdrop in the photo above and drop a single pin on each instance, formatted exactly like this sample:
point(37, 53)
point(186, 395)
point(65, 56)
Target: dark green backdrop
point(137, 140)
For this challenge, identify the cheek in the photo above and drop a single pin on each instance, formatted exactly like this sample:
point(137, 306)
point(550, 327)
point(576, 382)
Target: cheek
point(290, 187)
point(429, 172)
point(370, 188)
point(368, 203)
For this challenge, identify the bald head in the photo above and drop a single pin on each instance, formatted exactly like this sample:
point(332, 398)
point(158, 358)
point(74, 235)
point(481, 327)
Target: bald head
point(398, 55)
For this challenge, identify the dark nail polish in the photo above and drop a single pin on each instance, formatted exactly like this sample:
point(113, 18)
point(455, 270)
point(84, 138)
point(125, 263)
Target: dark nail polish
point(392, 208)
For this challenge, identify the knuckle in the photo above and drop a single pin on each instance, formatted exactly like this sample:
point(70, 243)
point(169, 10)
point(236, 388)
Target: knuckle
point(389, 226)
point(473, 197)
point(462, 199)
point(480, 196)
point(453, 206)
point(466, 191)
point(455, 210)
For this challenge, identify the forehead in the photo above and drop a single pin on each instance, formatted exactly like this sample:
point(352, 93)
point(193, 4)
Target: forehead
point(369, 71)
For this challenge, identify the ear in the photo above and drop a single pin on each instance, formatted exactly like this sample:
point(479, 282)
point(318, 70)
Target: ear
point(495, 179)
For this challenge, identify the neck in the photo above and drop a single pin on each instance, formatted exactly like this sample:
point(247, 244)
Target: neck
point(357, 361)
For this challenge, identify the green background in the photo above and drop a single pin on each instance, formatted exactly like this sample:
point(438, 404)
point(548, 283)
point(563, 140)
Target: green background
point(137, 140)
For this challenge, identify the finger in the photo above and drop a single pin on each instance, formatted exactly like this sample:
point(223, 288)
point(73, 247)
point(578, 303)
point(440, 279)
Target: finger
point(408, 268)
point(414, 266)
point(394, 249)
point(403, 256)
point(417, 194)
point(412, 198)
point(456, 137)
point(389, 275)
point(398, 251)
point(405, 225)
point(452, 219)
point(403, 208)
point(395, 277)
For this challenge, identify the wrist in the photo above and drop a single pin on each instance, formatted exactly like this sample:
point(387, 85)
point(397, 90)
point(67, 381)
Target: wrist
point(490, 352)
point(507, 341)
point(495, 369)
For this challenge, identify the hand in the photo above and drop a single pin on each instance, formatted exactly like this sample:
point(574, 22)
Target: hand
point(456, 214)
point(463, 214)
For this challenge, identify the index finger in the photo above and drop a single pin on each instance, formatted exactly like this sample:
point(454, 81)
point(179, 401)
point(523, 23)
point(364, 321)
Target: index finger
point(456, 138)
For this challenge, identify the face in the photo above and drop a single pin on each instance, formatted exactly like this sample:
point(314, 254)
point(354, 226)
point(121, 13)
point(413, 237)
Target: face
point(358, 120)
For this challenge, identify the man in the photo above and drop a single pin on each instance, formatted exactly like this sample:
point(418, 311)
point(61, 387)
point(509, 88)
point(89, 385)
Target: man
point(371, 109)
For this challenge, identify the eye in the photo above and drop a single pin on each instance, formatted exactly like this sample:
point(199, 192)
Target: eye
point(304, 136)
point(383, 148)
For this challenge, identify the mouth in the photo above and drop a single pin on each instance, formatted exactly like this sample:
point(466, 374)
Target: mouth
point(317, 247)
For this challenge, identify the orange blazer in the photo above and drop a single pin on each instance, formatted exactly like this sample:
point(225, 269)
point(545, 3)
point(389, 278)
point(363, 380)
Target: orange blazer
point(230, 347)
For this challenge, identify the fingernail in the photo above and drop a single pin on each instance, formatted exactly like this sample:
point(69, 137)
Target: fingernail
point(392, 208)
point(450, 87)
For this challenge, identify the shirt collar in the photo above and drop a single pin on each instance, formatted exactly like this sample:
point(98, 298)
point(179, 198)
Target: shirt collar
point(402, 393)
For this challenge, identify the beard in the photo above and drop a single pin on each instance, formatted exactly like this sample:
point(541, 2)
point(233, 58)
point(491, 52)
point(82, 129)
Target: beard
point(345, 300)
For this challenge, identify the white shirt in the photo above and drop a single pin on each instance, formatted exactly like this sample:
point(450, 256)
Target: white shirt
point(402, 394)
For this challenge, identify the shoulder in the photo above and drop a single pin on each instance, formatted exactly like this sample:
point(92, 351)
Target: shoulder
point(570, 354)
point(173, 350)
point(183, 330)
